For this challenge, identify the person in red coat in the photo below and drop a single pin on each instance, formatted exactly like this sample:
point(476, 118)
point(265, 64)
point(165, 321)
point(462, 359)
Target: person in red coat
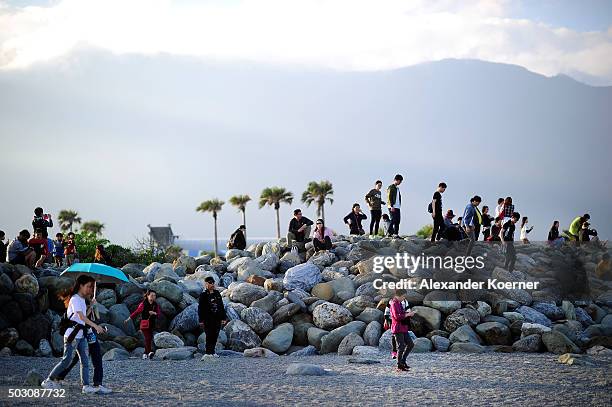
point(400, 325)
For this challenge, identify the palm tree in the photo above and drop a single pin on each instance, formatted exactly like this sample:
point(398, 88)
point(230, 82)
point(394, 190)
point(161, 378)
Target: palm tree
point(240, 201)
point(275, 196)
point(213, 206)
point(68, 218)
point(93, 226)
point(318, 192)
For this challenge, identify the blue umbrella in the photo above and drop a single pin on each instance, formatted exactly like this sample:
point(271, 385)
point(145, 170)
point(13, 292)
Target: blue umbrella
point(100, 272)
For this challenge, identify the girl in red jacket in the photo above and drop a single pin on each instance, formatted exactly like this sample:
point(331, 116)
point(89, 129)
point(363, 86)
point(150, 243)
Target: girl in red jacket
point(149, 310)
point(400, 325)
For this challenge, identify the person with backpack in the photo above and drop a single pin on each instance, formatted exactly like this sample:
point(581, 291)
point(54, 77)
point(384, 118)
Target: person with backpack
point(148, 310)
point(507, 238)
point(394, 203)
point(95, 351)
point(74, 327)
point(400, 325)
point(353, 220)
point(435, 208)
point(211, 314)
point(374, 201)
point(237, 239)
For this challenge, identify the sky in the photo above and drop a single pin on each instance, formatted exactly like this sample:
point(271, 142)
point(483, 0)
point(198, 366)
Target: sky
point(133, 112)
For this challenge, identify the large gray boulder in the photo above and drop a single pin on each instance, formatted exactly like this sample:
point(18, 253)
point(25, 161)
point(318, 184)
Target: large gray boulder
point(187, 320)
point(116, 354)
point(167, 290)
point(279, 339)
point(268, 303)
point(258, 319)
point(533, 316)
point(431, 316)
point(331, 341)
point(358, 304)
point(422, 345)
point(167, 340)
point(464, 333)
point(372, 333)
point(530, 343)
point(240, 336)
point(440, 343)
point(304, 276)
point(246, 293)
point(305, 369)
point(315, 335)
point(329, 316)
point(348, 343)
point(463, 316)
point(558, 343)
point(494, 333)
point(118, 314)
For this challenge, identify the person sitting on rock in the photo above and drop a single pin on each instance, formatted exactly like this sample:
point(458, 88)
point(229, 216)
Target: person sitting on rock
point(212, 316)
point(584, 235)
point(322, 236)
point(553, 235)
point(451, 230)
point(19, 252)
point(386, 224)
point(299, 228)
point(149, 310)
point(237, 240)
point(495, 229)
point(39, 244)
point(353, 220)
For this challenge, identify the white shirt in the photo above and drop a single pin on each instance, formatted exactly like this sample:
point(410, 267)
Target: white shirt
point(398, 203)
point(76, 304)
point(498, 209)
point(524, 232)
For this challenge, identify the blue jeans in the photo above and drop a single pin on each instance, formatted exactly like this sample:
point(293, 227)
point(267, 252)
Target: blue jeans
point(81, 347)
point(96, 359)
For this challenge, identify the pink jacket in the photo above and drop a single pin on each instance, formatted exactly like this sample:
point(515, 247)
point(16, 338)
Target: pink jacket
point(397, 315)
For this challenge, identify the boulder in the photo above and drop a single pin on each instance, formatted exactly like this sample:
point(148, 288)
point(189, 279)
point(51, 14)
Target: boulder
point(464, 333)
point(259, 320)
point(167, 340)
point(494, 333)
point(181, 353)
point(133, 270)
point(33, 378)
point(259, 353)
point(240, 336)
point(422, 345)
point(431, 316)
point(284, 313)
point(323, 259)
point(44, 348)
point(330, 342)
point(329, 316)
point(440, 343)
point(556, 342)
point(167, 290)
point(324, 291)
point(8, 338)
point(304, 276)
point(125, 289)
point(528, 329)
point(466, 347)
point(268, 302)
point(118, 313)
point(246, 293)
point(33, 329)
point(27, 284)
point(348, 343)
point(372, 333)
point(128, 342)
point(384, 342)
point(307, 351)
point(187, 320)
point(23, 348)
point(371, 314)
point(300, 332)
point(464, 316)
point(356, 305)
point(279, 339)
point(529, 343)
point(189, 263)
point(583, 317)
point(531, 315)
point(116, 354)
point(106, 297)
point(551, 311)
point(315, 335)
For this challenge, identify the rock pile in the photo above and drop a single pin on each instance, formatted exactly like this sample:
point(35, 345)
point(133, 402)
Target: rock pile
point(281, 303)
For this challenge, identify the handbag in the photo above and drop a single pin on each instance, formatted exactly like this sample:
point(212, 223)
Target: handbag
point(144, 324)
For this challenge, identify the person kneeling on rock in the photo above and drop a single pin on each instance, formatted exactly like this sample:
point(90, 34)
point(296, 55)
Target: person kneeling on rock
point(212, 316)
point(400, 325)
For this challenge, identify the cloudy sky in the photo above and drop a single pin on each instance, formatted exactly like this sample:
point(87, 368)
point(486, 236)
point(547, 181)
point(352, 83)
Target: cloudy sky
point(132, 112)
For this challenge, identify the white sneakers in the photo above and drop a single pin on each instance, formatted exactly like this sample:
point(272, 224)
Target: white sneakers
point(50, 384)
point(89, 389)
point(144, 356)
point(102, 390)
point(151, 354)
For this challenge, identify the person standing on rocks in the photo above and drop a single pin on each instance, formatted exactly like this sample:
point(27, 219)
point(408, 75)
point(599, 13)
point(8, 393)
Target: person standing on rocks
point(58, 250)
point(321, 237)
point(237, 239)
point(41, 221)
point(74, 336)
point(353, 220)
point(435, 207)
point(400, 325)
point(507, 238)
point(508, 209)
point(299, 228)
point(149, 310)
point(3, 247)
point(525, 230)
point(394, 203)
point(499, 209)
point(486, 223)
point(471, 220)
point(212, 316)
point(70, 250)
point(374, 201)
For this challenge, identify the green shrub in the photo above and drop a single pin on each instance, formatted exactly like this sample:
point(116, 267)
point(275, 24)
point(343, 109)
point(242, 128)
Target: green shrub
point(425, 232)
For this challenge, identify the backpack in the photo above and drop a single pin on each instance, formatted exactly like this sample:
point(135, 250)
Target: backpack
point(66, 323)
point(429, 208)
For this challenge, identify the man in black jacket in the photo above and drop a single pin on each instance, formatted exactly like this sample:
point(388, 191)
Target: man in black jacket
point(299, 228)
point(212, 314)
point(237, 239)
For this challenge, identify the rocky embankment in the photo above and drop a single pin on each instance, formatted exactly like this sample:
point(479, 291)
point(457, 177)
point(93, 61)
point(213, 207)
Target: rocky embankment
point(325, 303)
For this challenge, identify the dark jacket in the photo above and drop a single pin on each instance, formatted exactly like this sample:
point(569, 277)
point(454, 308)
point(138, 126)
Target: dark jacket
point(211, 308)
point(374, 199)
point(238, 241)
point(553, 234)
point(294, 225)
point(3, 247)
point(40, 223)
point(393, 195)
point(355, 225)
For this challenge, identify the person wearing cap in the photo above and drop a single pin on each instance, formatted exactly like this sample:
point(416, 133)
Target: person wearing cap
point(451, 230)
point(211, 313)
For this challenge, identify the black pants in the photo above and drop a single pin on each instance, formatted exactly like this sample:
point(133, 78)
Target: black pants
point(404, 346)
point(375, 214)
point(486, 232)
point(438, 228)
point(395, 221)
point(326, 244)
point(95, 352)
point(510, 256)
point(211, 328)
